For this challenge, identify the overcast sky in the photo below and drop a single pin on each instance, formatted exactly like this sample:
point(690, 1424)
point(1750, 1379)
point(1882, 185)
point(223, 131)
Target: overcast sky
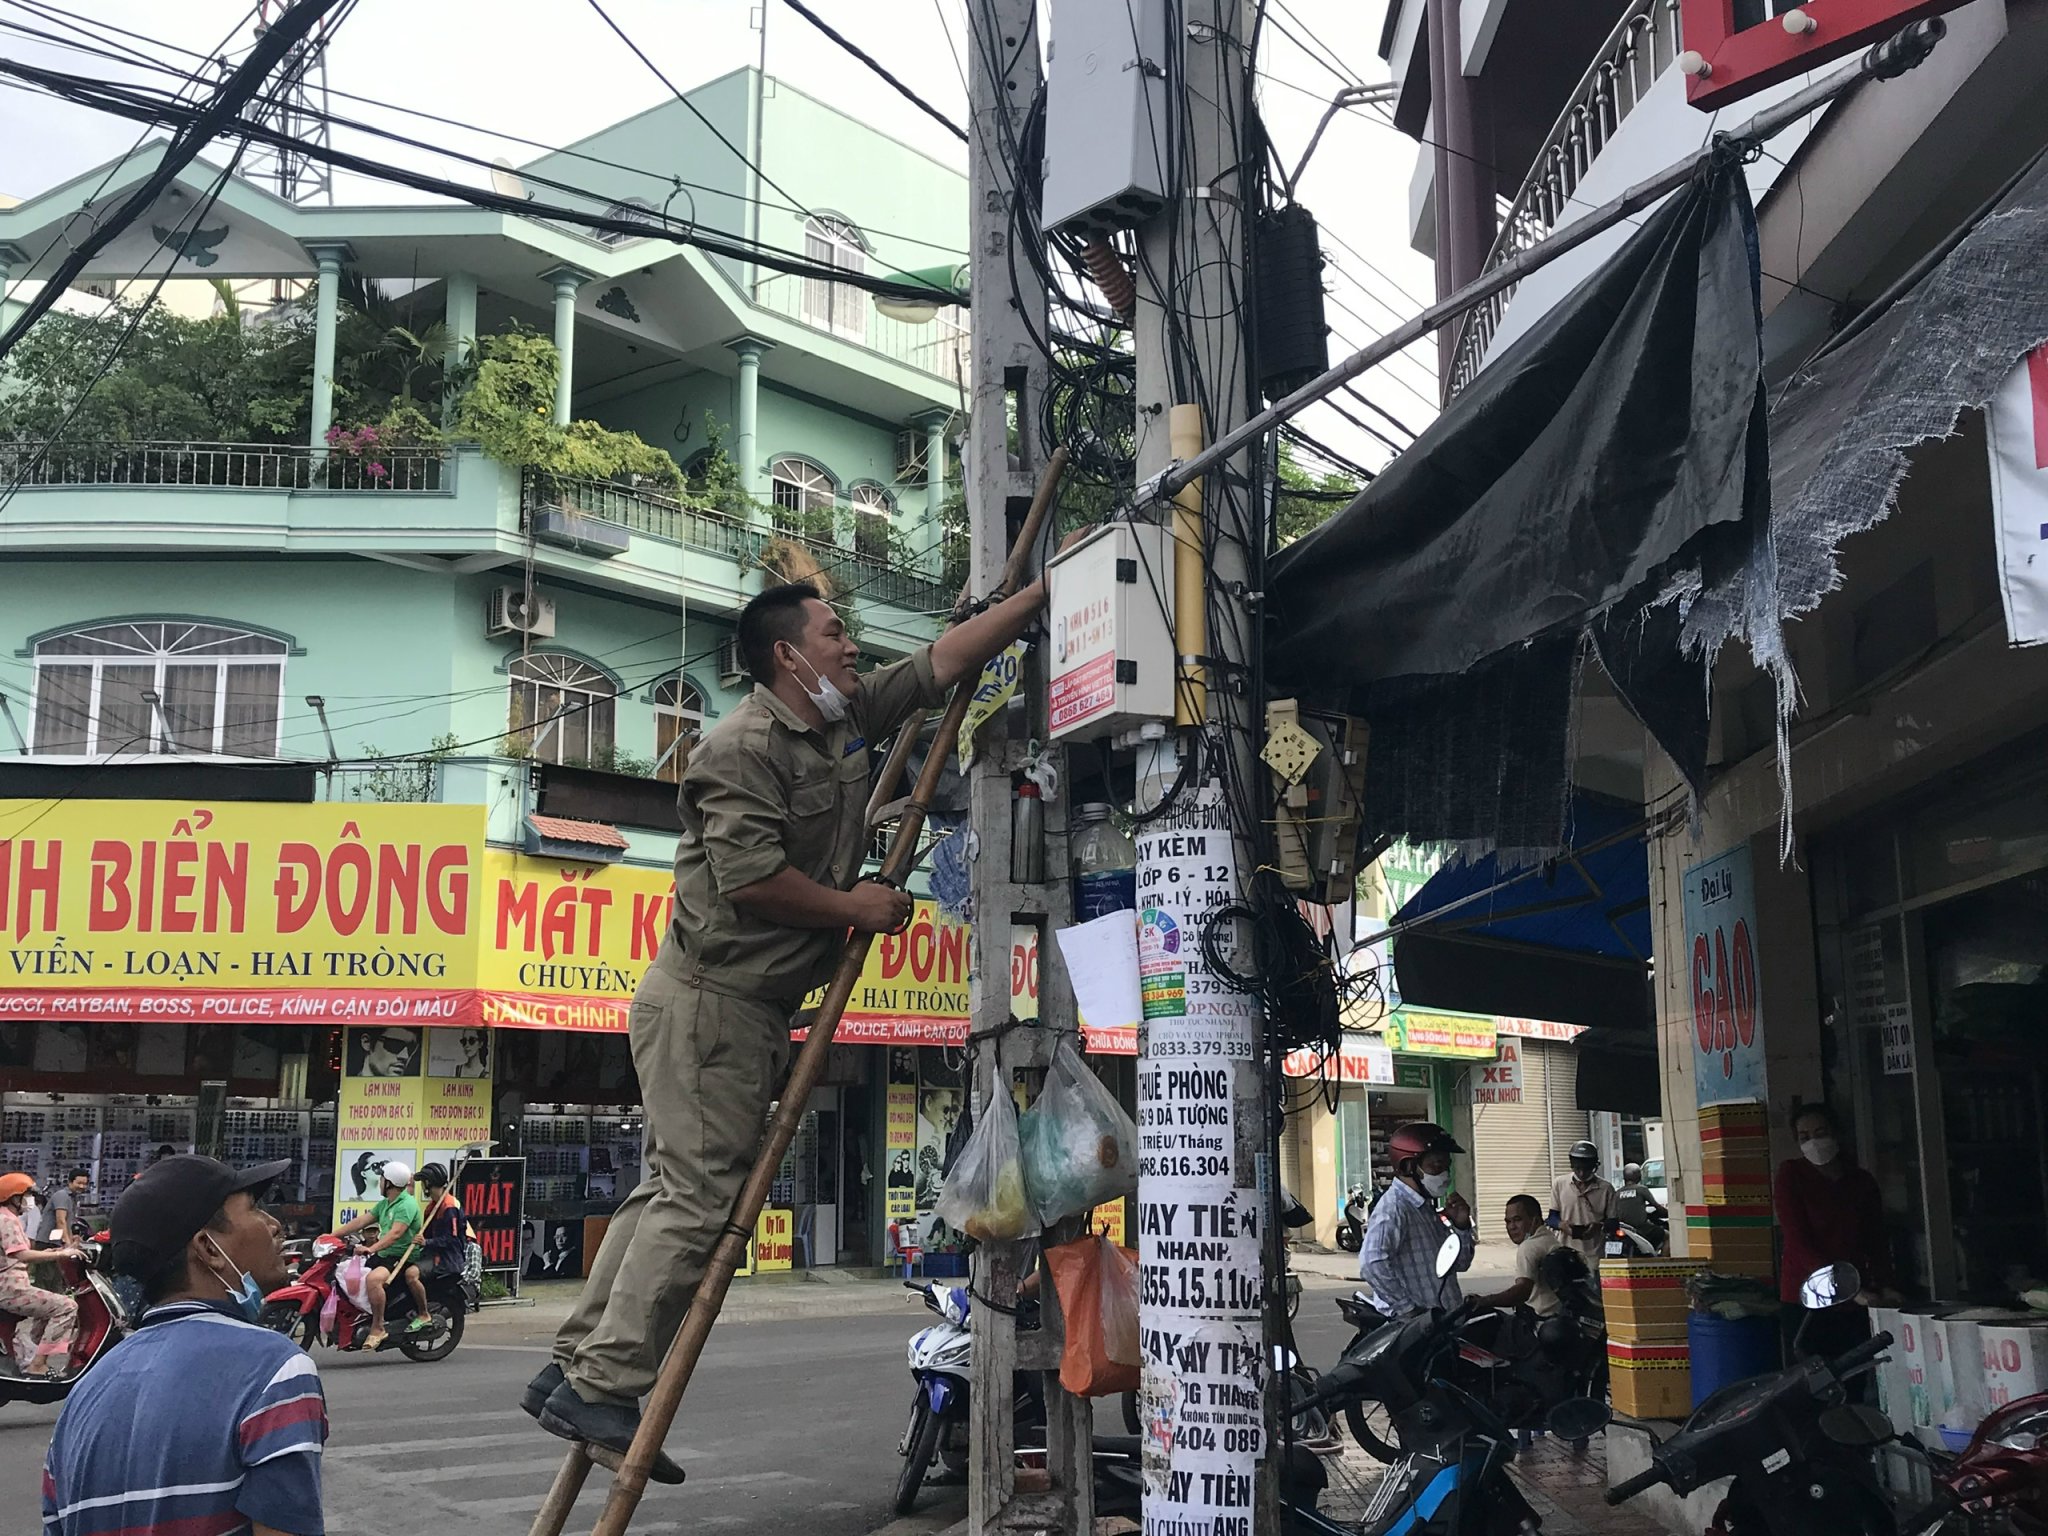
point(554, 72)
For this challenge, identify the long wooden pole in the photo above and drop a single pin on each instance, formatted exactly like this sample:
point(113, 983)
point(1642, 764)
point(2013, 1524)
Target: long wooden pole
point(630, 1483)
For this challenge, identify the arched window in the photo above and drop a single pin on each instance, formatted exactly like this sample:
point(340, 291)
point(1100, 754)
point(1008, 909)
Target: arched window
point(218, 689)
point(633, 210)
point(678, 722)
point(563, 710)
point(803, 495)
point(836, 307)
point(871, 520)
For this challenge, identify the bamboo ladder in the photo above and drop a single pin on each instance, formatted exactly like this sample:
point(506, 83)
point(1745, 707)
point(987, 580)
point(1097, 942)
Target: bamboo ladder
point(629, 1472)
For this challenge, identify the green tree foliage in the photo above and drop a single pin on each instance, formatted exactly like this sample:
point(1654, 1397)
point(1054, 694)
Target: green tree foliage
point(508, 410)
point(177, 380)
point(1307, 501)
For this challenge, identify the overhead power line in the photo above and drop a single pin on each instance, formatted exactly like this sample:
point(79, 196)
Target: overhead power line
point(202, 125)
point(500, 135)
point(145, 106)
point(879, 69)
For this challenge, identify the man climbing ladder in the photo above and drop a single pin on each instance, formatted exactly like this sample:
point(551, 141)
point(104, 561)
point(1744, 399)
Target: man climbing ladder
point(774, 834)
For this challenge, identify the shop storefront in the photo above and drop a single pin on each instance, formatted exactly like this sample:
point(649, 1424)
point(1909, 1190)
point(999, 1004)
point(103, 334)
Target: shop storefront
point(343, 985)
point(1933, 948)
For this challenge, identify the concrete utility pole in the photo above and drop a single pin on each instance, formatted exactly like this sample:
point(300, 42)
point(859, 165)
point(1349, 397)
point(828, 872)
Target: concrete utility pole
point(1001, 471)
point(1205, 1173)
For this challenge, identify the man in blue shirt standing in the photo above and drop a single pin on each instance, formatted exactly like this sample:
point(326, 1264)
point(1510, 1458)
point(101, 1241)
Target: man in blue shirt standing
point(1404, 1234)
point(199, 1421)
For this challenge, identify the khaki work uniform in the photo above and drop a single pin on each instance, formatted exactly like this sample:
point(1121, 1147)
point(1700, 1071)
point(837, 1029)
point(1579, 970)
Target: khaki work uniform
point(709, 1026)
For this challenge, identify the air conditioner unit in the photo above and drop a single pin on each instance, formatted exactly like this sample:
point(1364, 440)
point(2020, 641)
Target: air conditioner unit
point(516, 611)
point(732, 667)
point(911, 468)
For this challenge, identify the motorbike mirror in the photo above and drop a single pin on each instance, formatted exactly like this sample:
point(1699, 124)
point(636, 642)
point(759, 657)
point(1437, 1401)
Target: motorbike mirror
point(1855, 1424)
point(1284, 1359)
point(1448, 1255)
point(1292, 1212)
point(1829, 1284)
point(1576, 1418)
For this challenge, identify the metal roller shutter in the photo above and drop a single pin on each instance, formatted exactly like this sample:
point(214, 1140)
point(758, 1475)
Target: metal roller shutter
point(1512, 1144)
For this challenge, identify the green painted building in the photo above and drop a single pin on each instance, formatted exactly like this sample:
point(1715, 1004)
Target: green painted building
point(400, 603)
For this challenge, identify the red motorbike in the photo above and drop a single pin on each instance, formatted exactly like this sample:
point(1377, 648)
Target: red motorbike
point(104, 1319)
point(316, 1308)
point(2000, 1480)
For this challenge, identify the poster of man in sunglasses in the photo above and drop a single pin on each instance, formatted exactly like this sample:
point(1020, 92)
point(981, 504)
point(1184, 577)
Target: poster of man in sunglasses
point(384, 1051)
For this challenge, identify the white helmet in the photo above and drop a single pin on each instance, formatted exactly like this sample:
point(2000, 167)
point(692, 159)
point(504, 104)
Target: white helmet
point(396, 1172)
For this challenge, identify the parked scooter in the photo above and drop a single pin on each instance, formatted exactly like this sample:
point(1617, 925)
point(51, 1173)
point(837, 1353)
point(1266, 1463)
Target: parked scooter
point(1451, 1477)
point(1351, 1219)
point(1521, 1365)
point(1797, 1451)
point(942, 1365)
point(104, 1319)
point(316, 1307)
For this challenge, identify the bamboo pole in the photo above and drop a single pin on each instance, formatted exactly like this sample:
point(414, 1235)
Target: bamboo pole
point(630, 1482)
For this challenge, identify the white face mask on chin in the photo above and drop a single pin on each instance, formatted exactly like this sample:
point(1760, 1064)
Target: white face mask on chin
point(1434, 1184)
point(823, 692)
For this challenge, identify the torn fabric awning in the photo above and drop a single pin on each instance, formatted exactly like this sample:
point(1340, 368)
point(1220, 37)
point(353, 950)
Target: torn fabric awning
point(1617, 443)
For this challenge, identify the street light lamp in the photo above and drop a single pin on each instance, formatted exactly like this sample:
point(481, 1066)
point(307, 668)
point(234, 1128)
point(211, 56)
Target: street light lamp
point(948, 286)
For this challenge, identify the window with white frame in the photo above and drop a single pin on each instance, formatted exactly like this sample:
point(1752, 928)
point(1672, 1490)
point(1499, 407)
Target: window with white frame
point(563, 710)
point(803, 495)
point(219, 689)
point(678, 722)
point(871, 519)
point(839, 307)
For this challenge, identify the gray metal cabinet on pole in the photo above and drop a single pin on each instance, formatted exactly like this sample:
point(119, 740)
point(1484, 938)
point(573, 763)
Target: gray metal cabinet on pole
point(1000, 472)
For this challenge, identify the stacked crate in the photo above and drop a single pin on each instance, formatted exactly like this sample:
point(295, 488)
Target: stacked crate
point(1649, 1370)
point(1732, 1228)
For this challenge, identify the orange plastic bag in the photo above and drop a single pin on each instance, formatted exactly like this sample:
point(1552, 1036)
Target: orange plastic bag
point(1098, 1289)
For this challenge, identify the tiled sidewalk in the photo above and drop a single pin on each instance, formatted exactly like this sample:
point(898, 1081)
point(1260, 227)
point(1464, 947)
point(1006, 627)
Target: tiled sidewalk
point(1567, 1492)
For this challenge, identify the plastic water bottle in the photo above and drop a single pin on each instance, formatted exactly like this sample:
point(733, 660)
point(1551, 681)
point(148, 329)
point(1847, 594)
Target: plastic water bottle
point(1105, 866)
point(1027, 836)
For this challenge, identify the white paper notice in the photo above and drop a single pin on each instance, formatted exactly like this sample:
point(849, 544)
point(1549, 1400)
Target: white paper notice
point(1204, 1427)
point(1102, 963)
point(1187, 869)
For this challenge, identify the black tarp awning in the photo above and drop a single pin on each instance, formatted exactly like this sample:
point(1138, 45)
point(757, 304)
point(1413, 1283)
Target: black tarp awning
point(1619, 441)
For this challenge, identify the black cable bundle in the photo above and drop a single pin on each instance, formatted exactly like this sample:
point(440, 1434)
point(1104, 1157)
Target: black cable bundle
point(1293, 973)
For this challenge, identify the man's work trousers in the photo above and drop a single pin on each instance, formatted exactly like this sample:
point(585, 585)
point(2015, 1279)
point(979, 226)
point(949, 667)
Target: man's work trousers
point(709, 1066)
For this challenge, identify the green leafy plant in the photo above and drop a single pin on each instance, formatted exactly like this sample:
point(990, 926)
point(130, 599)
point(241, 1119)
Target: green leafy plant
point(406, 780)
point(508, 411)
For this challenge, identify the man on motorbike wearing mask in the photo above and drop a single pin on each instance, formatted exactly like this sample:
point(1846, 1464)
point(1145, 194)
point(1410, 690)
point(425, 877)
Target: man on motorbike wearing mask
point(1582, 1204)
point(1402, 1239)
point(773, 806)
point(201, 1419)
point(396, 1219)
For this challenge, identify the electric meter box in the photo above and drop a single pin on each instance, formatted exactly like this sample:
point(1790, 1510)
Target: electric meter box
point(1110, 608)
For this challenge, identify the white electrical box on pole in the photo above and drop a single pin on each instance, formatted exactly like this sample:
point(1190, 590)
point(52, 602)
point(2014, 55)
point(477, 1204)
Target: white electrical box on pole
point(1205, 1174)
point(1004, 461)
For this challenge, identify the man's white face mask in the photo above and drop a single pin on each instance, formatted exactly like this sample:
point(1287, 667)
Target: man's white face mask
point(822, 691)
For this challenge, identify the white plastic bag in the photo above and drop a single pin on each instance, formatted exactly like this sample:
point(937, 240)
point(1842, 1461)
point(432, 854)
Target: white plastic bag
point(1079, 1147)
point(984, 1194)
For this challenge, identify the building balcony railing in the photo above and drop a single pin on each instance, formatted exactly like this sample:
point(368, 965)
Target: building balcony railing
point(222, 466)
point(853, 573)
point(1642, 47)
point(939, 348)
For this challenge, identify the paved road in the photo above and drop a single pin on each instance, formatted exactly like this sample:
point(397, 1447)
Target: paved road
point(791, 1426)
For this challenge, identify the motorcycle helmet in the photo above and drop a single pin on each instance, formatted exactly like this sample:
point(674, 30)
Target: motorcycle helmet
point(1632, 1173)
point(1416, 1140)
point(15, 1185)
point(1583, 1156)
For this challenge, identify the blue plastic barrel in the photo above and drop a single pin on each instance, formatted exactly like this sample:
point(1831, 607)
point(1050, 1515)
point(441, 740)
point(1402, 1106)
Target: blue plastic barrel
point(1729, 1349)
